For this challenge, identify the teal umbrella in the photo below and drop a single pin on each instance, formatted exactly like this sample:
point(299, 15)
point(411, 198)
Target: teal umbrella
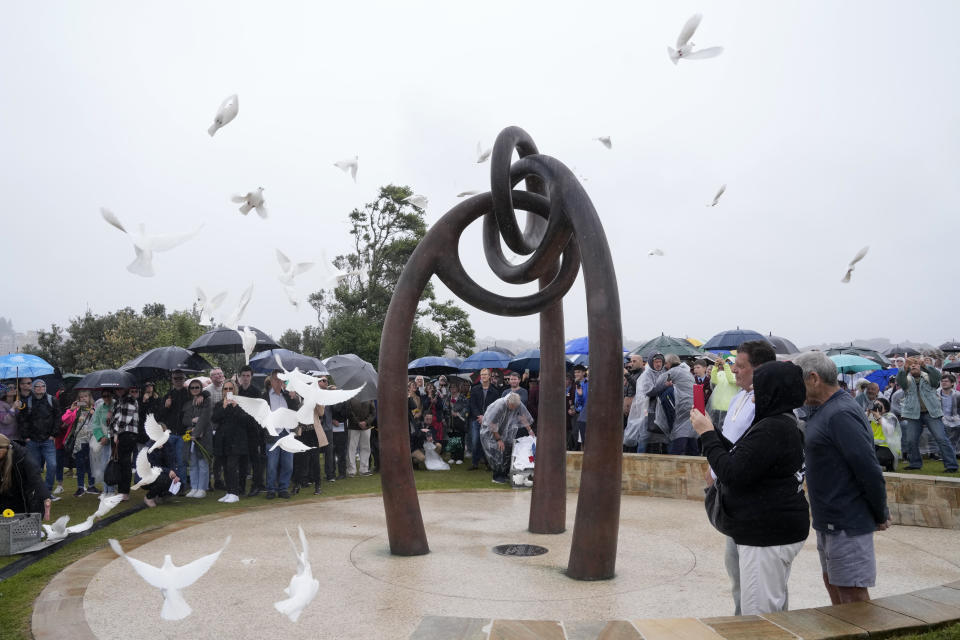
point(847, 363)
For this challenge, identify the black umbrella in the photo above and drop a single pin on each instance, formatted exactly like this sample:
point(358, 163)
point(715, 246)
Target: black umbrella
point(156, 363)
point(730, 339)
point(902, 351)
point(952, 366)
point(107, 379)
point(266, 361)
point(951, 346)
point(349, 371)
point(667, 344)
point(782, 345)
point(224, 340)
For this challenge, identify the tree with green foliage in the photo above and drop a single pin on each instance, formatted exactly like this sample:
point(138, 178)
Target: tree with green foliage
point(350, 316)
point(93, 342)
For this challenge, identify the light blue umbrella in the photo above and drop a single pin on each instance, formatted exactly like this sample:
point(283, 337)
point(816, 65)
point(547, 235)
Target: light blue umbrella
point(529, 359)
point(577, 346)
point(847, 363)
point(433, 365)
point(23, 365)
point(485, 360)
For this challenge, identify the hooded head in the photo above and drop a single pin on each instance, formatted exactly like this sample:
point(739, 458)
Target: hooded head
point(777, 388)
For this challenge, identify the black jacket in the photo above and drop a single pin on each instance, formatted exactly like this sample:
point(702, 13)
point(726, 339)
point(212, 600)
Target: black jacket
point(231, 437)
point(761, 476)
point(171, 416)
point(28, 490)
point(40, 419)
point(479, 401)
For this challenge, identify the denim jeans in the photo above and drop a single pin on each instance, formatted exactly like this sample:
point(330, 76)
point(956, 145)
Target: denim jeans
point(82, 461)
point(199, 469)
point(174, 451)
point(476, 448)
point(911, 434)
point(41, 453)
point(278, 458)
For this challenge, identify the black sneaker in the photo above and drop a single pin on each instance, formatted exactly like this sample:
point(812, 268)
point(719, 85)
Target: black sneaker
point(79, 492)
point(271, 495)
point(317, 491)
point(93, 491)
point(284, 494)
point(254, 492)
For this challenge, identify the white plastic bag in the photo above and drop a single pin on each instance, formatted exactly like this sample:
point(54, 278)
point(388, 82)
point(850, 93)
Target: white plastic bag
point(432, 459)
point(523, 453)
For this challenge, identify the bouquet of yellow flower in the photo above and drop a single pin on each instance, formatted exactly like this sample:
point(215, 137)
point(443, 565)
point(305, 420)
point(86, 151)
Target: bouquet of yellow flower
point(8, 513)
point(188, 437)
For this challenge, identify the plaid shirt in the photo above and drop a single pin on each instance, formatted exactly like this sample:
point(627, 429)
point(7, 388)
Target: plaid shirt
point(126, 416)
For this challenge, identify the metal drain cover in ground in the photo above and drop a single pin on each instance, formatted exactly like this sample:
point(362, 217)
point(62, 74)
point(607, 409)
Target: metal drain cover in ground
point(519, 550)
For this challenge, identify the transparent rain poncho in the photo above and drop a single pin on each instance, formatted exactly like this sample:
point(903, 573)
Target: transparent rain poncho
point(499, 418)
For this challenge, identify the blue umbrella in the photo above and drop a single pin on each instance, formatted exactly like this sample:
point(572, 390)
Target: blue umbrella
point(265, 362)
point(731, 339)
point(485, 360)
point(529, 359)
point(16, 365)
point(882, 376)
point(848, 363)
point(577, 346)
point(433, 365)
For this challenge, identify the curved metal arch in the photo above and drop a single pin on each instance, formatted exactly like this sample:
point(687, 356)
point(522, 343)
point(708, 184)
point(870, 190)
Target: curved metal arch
point(563, 226)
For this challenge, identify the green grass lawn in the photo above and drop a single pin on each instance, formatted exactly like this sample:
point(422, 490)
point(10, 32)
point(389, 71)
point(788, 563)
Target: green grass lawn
point(18, 593)
point(930, 468)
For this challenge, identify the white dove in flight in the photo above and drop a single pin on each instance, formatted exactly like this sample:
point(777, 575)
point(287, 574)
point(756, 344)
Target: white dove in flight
point(249, 341)
point(170, 578)
point(155, 432)
point(147, 472)
point(228, 111)
point(417, 200)
point(295, 375)
point(303, 586)
point(107, 504)
point(605, 141)
point(313, 395)
point(483, 154)
point(234, 320)
point(857, 258)
point(471, 192)
point(290, 443)
point(209, 305)
point(145, 245)
point(655, 252)
point(685, 47)
point(334, 275)
point(57, 530)
point(716, 198)
point(252, 200)
point(289, 270)
point(349, 165)
point(272, 421)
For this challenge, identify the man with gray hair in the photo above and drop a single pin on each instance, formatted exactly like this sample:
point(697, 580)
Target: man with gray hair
point(845, 485)
point(683, 439)
point(501, 421)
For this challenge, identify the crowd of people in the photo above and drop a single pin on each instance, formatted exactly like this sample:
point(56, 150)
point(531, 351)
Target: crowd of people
point(787, 443)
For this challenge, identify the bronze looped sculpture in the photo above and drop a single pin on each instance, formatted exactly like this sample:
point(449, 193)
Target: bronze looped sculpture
point(561, 226)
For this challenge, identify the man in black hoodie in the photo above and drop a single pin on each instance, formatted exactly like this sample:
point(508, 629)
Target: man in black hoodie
point(761, 486)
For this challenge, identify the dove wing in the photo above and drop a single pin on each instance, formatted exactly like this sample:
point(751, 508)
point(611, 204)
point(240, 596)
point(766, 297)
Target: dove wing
point(201, 298)
point(234, 319)
point(306, 547)
point(218, 299)
point(226, 103)
point(302, 267)
point(688, 30)
point(154, 431)
point(154, 576)
point(860, 255)
point(238, 198)
point(165, 242)
point(283, 260)
point(281, 419)
point(257, 408)
point(330, 397)
point(720, 193)
point(60, 525)
point(846, 277)
point(83, 526)
point(106, 504)
point(702, 54)
point(144, 468)
point(183, 577)
point(112, 219)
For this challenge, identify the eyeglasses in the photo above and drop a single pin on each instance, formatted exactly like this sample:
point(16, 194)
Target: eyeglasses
point(192, 388)
point(229, 388)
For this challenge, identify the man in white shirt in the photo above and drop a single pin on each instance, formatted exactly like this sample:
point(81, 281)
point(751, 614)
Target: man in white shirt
point(738, 419)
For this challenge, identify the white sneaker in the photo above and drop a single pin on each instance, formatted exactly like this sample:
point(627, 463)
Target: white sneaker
point(223, 498)
point(199, 493)
point(459, 461)
point(57, 490)
point(191, 493)
point(231, 497)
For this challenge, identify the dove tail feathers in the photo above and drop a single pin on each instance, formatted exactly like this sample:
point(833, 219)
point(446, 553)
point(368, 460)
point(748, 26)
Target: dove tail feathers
point(174, 606)
point(213, 129)
point(245, 209)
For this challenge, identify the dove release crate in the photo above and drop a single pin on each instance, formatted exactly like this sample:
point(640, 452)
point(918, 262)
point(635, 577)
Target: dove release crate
point(19, 532)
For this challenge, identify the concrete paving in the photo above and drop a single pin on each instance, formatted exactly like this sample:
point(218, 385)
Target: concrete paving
point(670, 565)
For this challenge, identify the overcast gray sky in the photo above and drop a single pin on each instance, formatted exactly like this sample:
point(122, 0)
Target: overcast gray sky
point(834, 125)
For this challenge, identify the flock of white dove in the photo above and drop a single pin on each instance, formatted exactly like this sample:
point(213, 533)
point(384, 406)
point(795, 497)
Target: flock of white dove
point(171, 579)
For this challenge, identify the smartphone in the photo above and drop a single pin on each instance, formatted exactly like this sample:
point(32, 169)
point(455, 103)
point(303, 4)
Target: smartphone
point(699, 401)
point(229, 395)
